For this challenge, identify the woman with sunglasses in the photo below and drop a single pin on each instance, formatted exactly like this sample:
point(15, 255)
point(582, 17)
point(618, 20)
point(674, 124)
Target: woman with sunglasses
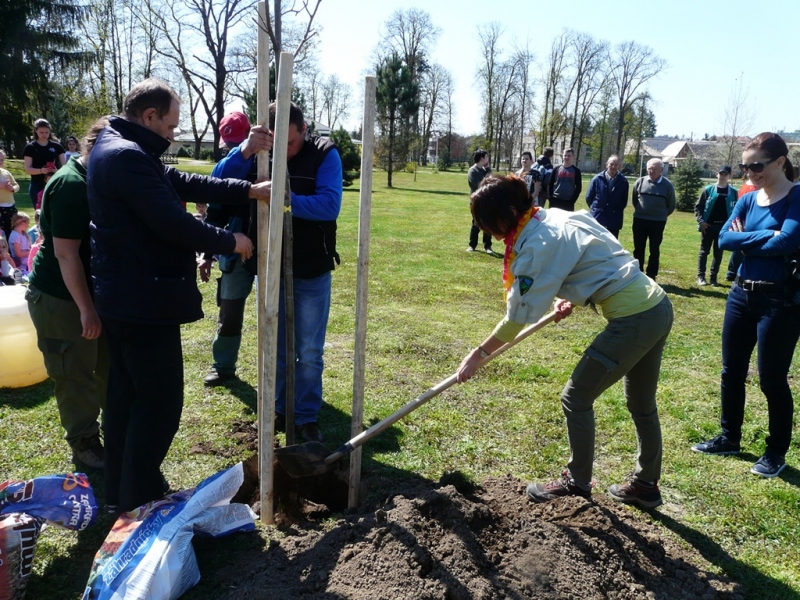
point(765, 226)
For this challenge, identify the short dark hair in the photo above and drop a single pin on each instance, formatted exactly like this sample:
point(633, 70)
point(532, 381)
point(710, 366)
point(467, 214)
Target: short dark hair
point(478, 155)
point(772, 146)
point(150, 93)
point(548, 152)
point(499, 202)
point(295, 116)
point(528, 153)
point(569, 150)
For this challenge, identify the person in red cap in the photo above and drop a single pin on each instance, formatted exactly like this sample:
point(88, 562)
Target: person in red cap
point(234, 128)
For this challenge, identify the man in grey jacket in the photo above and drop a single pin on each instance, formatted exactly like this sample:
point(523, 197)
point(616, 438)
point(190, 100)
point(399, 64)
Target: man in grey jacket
point(653, 201)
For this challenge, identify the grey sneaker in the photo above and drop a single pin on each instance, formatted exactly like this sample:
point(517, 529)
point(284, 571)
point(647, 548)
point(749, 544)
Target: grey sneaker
point(769, 465)
point(633, 491)
point(559, 488)
point(717, 445)
point(89, 453)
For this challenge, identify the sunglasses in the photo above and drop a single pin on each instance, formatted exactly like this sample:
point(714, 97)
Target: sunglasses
point(755, 167)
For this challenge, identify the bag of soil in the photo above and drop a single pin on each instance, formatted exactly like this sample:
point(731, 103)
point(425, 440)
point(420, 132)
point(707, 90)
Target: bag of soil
point(62, 500)
point(148, 554)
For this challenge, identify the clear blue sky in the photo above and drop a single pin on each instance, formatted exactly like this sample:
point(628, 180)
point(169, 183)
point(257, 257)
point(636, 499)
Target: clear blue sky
point(707, 43)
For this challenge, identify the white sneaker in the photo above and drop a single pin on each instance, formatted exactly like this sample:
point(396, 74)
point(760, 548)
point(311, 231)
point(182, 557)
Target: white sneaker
point(470, 249)
point(489, 251)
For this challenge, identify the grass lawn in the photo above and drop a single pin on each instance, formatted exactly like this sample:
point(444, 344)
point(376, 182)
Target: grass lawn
point(429, 303)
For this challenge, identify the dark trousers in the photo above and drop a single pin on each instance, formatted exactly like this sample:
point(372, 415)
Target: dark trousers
point(758, 318)
point(562, 203)
point(143, 409)
point(644, 230)
point(473, 238)
point(708, 239)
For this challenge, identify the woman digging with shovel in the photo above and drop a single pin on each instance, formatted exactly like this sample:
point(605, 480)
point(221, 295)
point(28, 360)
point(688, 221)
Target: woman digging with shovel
point(566, 255)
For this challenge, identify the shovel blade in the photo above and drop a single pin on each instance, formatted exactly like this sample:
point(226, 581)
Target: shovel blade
point(303, 460)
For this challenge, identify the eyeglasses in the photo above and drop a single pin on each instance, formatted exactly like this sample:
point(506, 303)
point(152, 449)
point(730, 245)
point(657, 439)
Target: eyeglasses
point(755, 167)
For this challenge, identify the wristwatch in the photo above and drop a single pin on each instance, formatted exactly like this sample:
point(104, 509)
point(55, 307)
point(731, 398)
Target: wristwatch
point(483, 352)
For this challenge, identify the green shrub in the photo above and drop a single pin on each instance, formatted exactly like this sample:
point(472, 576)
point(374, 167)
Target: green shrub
point(207, 154)
point(183, 152)
point(410, 167)
point(687, 183)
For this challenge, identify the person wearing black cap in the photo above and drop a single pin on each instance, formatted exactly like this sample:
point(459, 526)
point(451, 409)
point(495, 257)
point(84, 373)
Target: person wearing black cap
point(712, 210)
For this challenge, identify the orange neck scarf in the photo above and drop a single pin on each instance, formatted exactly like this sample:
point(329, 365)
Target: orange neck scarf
point(510, 241)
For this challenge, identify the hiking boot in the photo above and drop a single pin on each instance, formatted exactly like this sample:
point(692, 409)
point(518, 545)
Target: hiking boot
point(634, 491)
point(717, 445)
point(89, 453)
point(559, 488)
point(309, 432)
point(215, 379)
point(701, 281)
point(769, 465)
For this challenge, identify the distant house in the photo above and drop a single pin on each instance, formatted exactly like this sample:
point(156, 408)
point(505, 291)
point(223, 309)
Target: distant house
point(185, 139)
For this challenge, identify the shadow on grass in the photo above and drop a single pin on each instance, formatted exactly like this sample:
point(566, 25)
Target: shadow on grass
point(695, 292)
point(756, 583)
point(243, 391)
point(27, 397)
point(436, 192)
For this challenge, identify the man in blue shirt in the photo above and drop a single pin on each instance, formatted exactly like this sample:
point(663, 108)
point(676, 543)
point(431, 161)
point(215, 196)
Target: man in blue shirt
point(315, 172)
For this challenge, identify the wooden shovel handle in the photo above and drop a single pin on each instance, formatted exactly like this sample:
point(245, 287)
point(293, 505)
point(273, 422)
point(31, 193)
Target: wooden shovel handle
point(367, 435)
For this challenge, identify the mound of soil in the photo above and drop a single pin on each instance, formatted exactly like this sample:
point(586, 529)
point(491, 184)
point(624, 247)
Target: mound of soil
point(433, 541)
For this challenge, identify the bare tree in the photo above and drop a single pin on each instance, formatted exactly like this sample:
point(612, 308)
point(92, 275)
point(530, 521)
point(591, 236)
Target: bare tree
point(298, 11)
point(186, 27)
point(590, 58)
point(558, 90)
point(489, 35)
point(431, 102)
point(524, 58)
point(634, 65)
point(739, 117)
point(336, 100)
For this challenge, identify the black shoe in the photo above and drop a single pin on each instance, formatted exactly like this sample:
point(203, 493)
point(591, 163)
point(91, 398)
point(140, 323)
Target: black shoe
point(713, 281)
point(309, 432)
point(214, 379)
point(717, 445)
point(280, 423)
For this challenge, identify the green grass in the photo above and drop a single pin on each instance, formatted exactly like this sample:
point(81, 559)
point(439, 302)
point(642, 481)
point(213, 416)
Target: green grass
point(429, 303)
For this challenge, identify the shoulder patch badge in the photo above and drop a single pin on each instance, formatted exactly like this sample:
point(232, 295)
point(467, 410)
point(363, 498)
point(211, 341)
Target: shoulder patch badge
point(525, 284)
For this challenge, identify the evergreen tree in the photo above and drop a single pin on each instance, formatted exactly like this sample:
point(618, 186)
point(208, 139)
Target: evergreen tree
point(351, 159)
point(687, 183)
point(397, 99)
point(35, 38)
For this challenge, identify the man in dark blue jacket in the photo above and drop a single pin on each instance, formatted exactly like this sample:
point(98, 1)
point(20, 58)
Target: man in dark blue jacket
point(607, 196)
point(144, 270)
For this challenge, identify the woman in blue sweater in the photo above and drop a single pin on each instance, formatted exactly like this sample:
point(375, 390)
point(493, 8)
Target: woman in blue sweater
point(765, 226)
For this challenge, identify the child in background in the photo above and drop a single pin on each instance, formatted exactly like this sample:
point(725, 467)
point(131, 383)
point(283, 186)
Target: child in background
point(33, 232)
point(7, 264)
point(19, 242)
point(8, 186)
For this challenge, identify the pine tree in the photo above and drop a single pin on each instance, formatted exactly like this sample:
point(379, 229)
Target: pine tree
point(397, 99)
point(687, 183)
point(36, 36)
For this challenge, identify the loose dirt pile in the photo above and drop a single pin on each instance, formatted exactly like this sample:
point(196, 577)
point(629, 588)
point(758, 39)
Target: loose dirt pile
point(434, 541)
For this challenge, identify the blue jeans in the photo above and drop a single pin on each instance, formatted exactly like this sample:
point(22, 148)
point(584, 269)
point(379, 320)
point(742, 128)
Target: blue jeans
point(312, 303)
point(234, 287)
point(758, 318)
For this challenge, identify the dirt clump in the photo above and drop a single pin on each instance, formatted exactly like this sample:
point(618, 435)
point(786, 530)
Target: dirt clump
point(432, 541)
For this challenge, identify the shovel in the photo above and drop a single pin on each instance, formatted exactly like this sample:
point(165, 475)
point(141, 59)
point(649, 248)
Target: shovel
point(313, 458)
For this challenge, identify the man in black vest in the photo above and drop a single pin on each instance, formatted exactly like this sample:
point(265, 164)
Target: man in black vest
point(315, 173)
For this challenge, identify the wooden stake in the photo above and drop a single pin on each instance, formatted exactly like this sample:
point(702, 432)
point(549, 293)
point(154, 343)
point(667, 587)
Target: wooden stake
point(266, 432)
point(288, 312)
point(359, 361)
point(272, 281)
